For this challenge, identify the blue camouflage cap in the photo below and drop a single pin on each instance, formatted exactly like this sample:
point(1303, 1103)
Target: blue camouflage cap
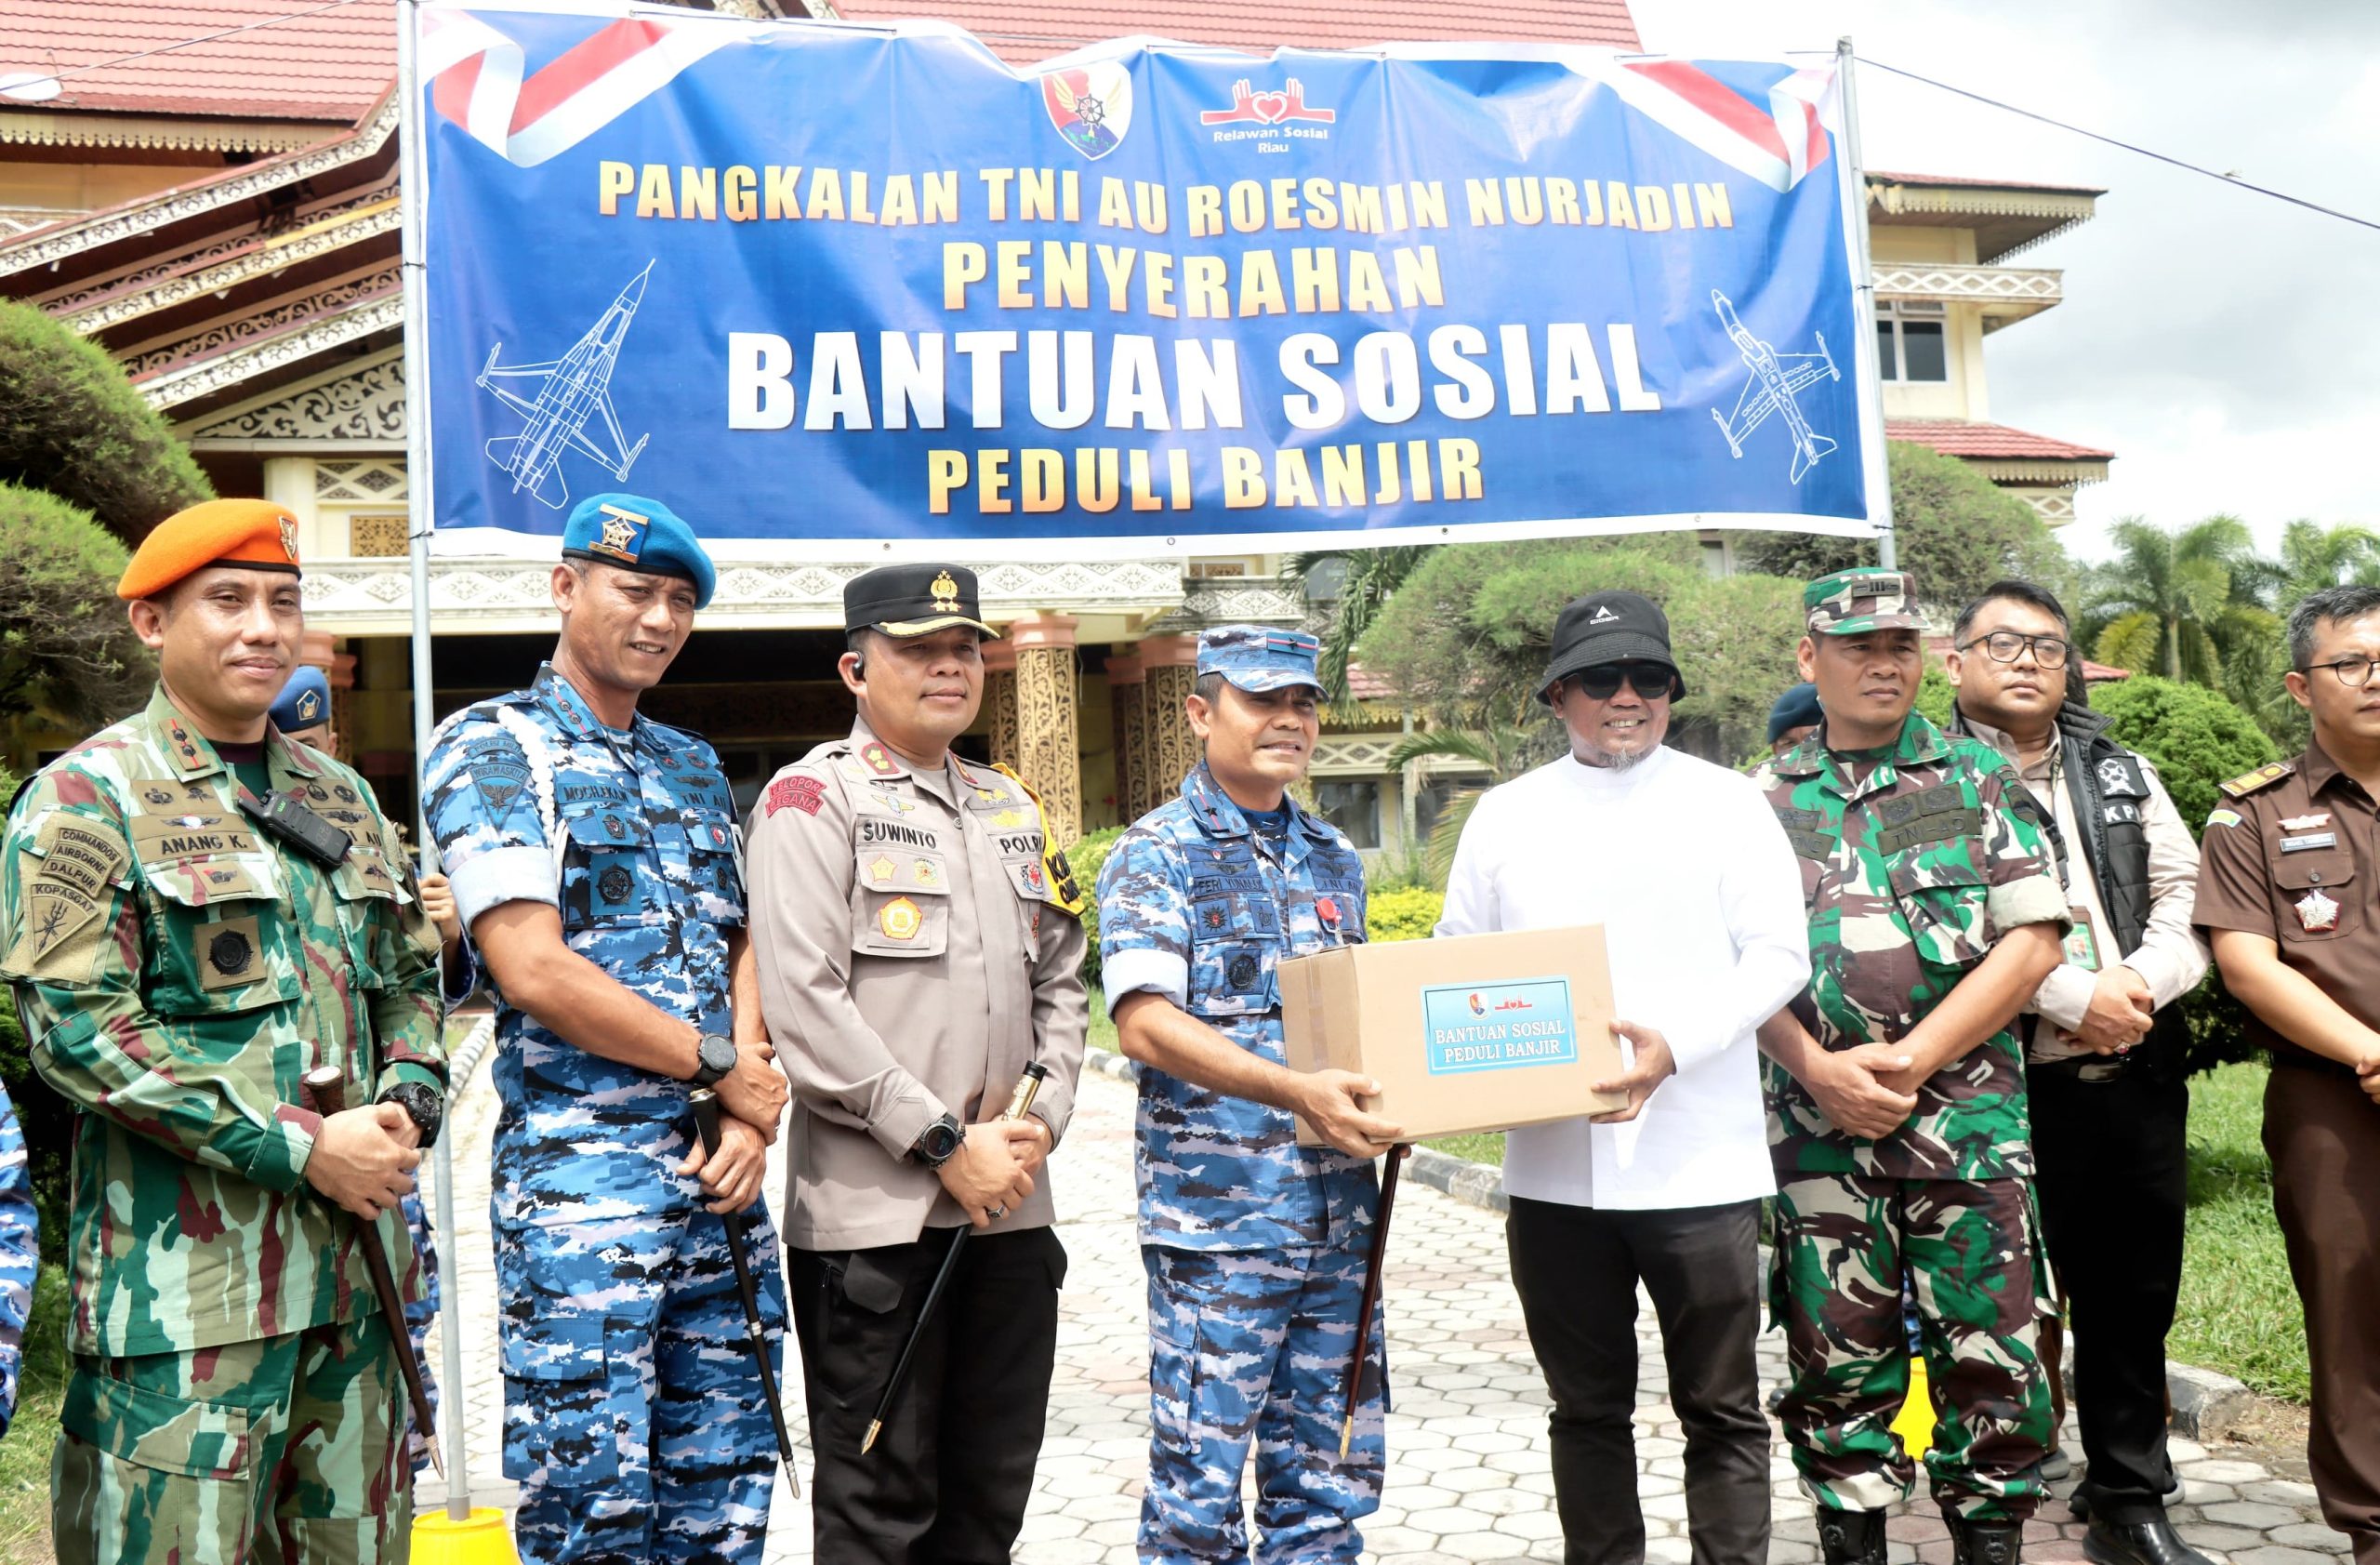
point(1258, 659)
point(638, 534)
point(304, 702)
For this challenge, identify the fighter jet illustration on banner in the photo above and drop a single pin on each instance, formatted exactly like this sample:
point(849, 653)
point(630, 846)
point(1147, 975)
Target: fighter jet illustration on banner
point(574, 390)
point(1770, 388)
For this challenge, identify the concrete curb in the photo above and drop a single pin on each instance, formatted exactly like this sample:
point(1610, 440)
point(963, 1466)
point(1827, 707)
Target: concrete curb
point(2205, 1404)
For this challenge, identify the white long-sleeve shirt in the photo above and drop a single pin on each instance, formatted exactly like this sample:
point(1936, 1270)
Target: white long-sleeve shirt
point(1699, 896)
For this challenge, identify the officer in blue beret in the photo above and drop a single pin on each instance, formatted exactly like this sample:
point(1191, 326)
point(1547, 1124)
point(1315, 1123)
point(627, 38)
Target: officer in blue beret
point(304, 706)
point(1254, 1246)
point(1795, 718)
point(593, 855)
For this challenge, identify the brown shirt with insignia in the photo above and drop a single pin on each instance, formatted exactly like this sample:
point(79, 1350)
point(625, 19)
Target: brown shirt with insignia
point(915, 954)
point(2289, 853)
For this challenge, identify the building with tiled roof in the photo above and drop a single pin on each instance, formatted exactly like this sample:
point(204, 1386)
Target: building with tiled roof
point(1024, 31)
point(1941, 245)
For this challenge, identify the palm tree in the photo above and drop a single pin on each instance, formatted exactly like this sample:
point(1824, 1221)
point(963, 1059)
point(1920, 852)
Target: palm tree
point(2313, 557)
point(2173, 600)
point(1369, 577)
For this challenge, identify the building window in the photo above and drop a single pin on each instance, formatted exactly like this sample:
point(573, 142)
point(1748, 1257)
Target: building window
point(1353, 805)
point(1911, 349)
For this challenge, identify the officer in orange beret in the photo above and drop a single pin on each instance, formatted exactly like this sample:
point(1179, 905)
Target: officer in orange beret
point(196, 911)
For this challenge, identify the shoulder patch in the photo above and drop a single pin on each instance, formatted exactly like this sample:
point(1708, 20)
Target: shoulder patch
point(2224, 818)
point(797, 792)
point(2262, 777)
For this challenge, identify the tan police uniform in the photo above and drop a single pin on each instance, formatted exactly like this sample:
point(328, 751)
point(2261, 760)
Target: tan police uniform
point(2290, 853)
point(918, 944)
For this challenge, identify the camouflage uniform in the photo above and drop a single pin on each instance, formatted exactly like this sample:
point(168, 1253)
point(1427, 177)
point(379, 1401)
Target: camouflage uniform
point(20, 1253)
point(1915, 861)
point(1254, 1246)
point(634, 1419)
point(178, 972)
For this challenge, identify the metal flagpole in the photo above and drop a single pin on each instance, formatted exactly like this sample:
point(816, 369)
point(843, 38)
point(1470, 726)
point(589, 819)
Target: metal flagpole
point(411, 189)
point(1863, 298)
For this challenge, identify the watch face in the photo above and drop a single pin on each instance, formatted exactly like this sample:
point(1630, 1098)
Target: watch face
point(942, 1141)
point(717, 1054)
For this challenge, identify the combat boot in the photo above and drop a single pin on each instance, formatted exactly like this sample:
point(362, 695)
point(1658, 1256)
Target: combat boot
point(1851, 1537)
point(1986, 1543)
point(2151, 1542)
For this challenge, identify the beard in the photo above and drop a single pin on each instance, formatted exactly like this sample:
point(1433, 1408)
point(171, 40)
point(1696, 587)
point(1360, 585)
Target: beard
point(1611, 760)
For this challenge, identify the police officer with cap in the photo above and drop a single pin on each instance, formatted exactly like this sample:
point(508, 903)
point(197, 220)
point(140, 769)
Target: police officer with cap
point(918, 949)
point(593, 855)
point(1254, 1246)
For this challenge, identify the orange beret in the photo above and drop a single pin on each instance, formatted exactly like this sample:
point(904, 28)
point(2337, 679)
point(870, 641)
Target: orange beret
point(252, 533)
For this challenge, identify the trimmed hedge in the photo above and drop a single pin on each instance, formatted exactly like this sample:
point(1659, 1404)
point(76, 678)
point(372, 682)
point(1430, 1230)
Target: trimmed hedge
point(72, 424)
point(1406, 913)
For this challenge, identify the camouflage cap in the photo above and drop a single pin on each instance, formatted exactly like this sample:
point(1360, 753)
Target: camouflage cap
point(1849, 603)
point(1257, 657)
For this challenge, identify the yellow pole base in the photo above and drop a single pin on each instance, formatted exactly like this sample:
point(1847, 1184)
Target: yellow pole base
point(484, 1537)
point(1914, 1422)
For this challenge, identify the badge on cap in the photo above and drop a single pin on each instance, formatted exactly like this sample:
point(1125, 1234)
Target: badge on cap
point(945, 593)
point(2317, 913)
point(623, 536)
point(900, 919)
point(310, 707)
point(290, 537)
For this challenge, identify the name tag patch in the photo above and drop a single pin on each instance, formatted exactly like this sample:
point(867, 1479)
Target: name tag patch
point(1498, 1027)
point(2307, 844)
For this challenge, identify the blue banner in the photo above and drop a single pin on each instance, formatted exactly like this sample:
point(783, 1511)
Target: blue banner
point(815, 283)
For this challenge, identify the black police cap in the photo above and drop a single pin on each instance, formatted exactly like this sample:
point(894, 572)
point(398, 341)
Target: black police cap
point(913, 599)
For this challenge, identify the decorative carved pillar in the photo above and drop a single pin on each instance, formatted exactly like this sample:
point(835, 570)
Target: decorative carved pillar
point(999, 698)
point(1048, 744)
point(1128, 710)
point(1171, 669)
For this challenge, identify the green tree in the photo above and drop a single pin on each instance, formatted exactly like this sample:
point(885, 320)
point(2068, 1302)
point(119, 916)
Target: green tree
point(2173, 600)
point(72, 424)
point(2311, 558)
point(1952, 529)
point(1360, 581)
point(66, 648)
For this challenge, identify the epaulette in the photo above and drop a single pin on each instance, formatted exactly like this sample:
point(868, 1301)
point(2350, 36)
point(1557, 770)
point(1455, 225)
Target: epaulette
point(1068, 893)
point(2262, 777)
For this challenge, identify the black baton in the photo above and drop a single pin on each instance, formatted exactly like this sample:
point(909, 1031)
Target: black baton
point(1027, 1085)
point(706, 1106)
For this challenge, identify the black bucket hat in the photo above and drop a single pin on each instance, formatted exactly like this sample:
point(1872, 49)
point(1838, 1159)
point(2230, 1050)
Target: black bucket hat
point(1608, 628)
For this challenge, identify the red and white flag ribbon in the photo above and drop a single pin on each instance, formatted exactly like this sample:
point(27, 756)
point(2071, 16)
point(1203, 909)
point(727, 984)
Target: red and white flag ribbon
point(476, 80)
point(1779, 145)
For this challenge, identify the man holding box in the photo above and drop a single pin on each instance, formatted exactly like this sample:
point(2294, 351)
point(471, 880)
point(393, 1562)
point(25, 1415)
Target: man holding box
point(1897, 1095)
point(1686, 867)
point(1254, 1246)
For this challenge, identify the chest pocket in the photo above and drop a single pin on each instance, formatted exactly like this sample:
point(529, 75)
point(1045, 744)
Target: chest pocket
point(221, 941)
point(900, 900)
point(2306, 881)
point(711, 866)
point(1234, 950)
point(1944, 898)
point(610, 876)
point(371, 901)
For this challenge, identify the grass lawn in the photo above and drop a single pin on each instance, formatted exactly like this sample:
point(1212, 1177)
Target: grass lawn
point(2239, 1312)
point(25, 1455)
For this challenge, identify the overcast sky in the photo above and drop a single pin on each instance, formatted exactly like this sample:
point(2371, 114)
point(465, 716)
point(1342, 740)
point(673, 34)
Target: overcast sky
point(2212, 338)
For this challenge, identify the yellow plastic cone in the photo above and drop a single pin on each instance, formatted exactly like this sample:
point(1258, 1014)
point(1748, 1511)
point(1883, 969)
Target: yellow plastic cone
point(484, 1537)
point(1914, 1422)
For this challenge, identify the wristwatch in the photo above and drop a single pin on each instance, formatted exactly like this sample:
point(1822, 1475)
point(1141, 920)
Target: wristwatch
point(939, 1142)
point(714, 1058)
point(422, 1105)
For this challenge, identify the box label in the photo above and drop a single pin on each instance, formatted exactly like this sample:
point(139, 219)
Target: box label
point(1498, 1027)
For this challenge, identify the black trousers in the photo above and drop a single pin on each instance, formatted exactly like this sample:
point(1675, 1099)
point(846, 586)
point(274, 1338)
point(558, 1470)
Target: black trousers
point(2112, 1177)
point(948, 1480)
point(1577, 1270)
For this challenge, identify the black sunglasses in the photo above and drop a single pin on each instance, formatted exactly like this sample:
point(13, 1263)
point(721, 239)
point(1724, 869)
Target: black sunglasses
point(1651, 680)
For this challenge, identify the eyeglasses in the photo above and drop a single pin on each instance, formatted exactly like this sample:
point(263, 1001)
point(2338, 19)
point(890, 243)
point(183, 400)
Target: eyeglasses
point(1650, 681)
point(2007, 646)
point(2351, 671)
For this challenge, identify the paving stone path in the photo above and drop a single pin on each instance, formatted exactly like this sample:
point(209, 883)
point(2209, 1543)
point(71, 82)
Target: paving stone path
point(1468, 1478)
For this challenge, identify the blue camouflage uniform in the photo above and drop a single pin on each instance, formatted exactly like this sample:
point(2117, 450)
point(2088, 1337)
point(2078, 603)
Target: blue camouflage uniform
point(20, 1253)
point(634, 1419)
point(1255, 1247)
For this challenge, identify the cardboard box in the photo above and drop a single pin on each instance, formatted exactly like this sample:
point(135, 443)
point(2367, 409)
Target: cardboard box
point(1481, 1032)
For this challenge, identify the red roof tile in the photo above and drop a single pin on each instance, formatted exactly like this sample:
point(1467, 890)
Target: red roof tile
point(330, 66)
point(1366, 685)
point(1022, 31)
point(1960, 437)
point(1971, 181)
point(2099, 674)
